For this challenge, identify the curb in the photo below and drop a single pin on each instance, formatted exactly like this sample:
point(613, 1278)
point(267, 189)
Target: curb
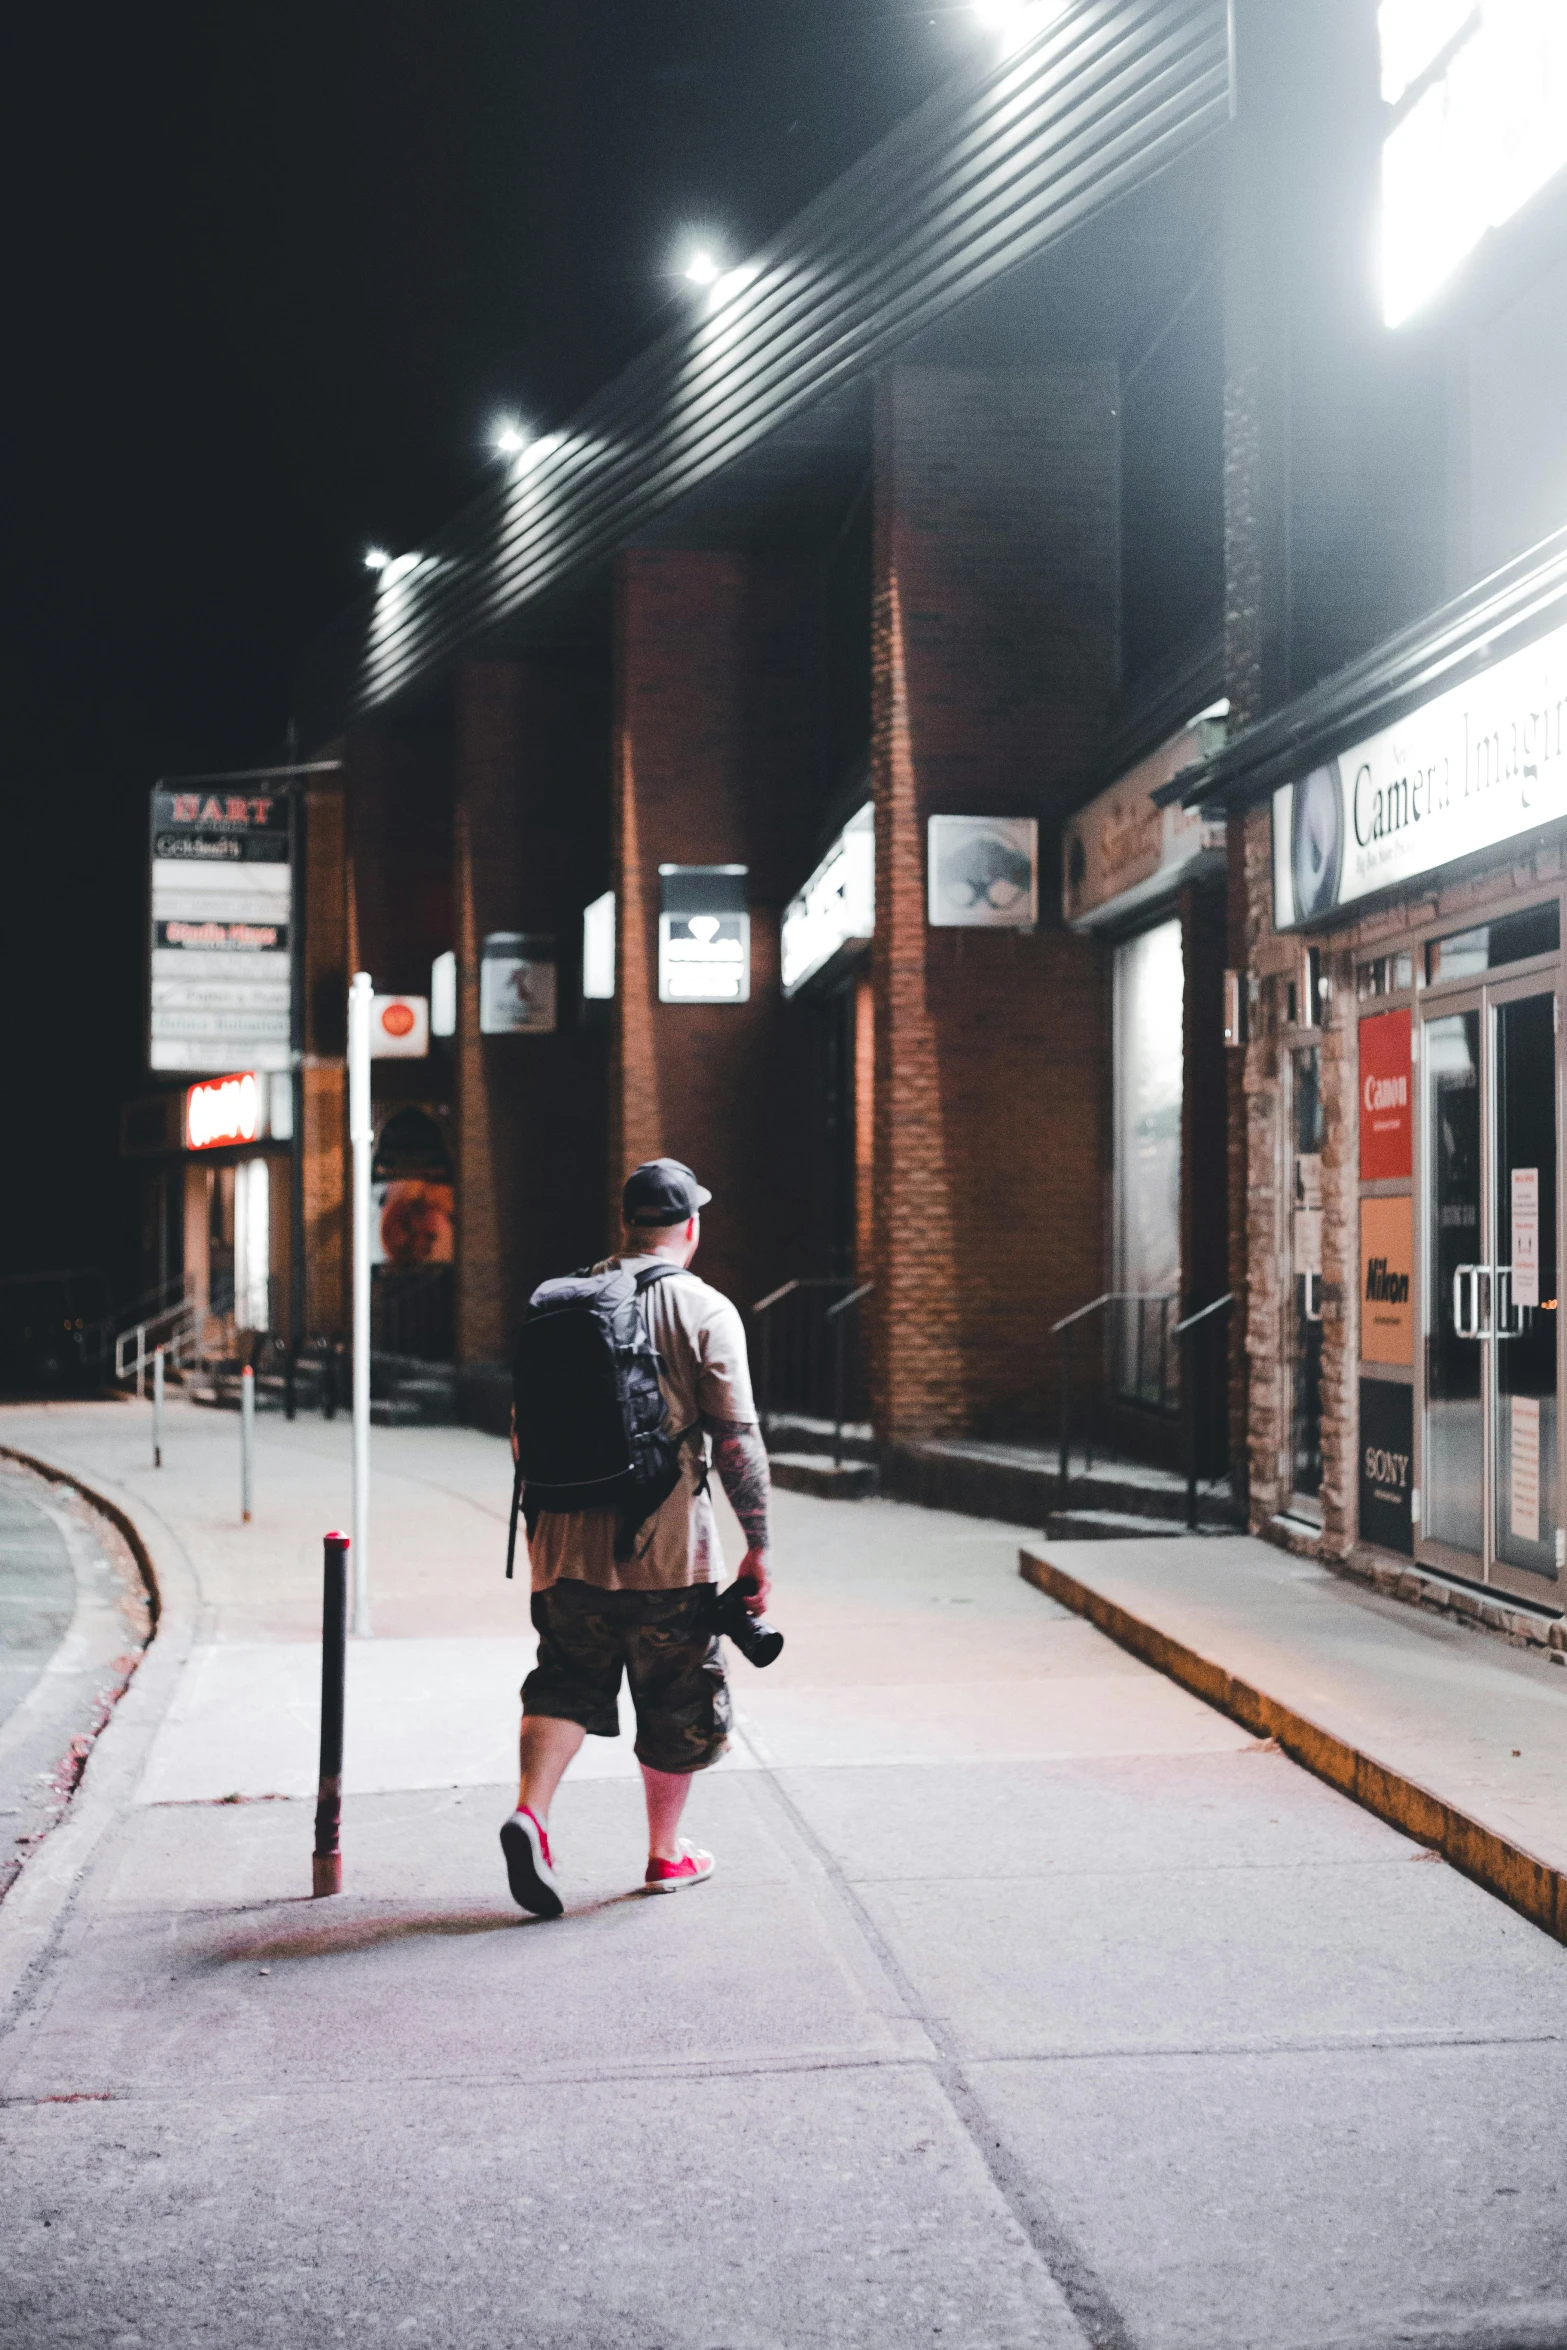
point(1532, 1887)
point(36, 1909)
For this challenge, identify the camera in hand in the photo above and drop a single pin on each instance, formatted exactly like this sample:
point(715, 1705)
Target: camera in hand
point(758, 1641)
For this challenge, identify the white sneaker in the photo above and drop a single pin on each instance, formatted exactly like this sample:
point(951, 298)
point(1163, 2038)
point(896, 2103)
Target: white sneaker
point(673, 1876)
point(528, 1868)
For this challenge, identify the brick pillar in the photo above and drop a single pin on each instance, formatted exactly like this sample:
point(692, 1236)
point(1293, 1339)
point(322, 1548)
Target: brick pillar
point(528, 853)
point(993, 660)
point(326, 1078)
point(717, 706)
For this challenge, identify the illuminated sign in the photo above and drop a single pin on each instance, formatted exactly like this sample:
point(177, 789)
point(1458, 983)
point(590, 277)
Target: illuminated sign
point(399, 1027)
point(1122, 851)
point(221, 910)
point(836, 906)
point(704, 935)
point(227, 1110)
point(598, 950)
point(1476, 767)
point(443, 995)
point(983, 872)
point(516, 985)
point(1479, 95)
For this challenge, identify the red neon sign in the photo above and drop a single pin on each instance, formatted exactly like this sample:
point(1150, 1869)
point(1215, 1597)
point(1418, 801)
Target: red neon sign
point(223, 1110)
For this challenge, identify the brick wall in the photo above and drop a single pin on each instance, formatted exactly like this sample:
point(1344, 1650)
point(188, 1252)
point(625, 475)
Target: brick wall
point(717, 761)
point(527, 856)
point(993, 660)
point(326, 1091)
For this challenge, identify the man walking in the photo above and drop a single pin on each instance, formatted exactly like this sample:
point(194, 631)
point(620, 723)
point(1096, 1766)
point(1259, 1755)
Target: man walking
point(603, 1605)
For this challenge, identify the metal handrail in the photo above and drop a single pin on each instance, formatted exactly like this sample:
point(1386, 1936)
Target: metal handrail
point(1183, 1331)
point(1064, 1329)
point(1202, 1313)
point(835, 1314)
point(1113, 1297)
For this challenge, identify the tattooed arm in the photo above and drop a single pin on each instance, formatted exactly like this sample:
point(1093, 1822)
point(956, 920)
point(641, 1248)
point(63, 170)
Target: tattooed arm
point(740, 1457)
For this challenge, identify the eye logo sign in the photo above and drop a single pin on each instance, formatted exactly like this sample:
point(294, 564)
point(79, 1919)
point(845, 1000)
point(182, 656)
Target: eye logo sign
point(1317, 842)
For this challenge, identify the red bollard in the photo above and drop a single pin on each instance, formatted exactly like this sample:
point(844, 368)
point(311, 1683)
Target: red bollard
point(326, 1874)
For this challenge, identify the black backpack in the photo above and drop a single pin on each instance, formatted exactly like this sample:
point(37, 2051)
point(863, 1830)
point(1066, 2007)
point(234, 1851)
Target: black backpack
point(589, 1410)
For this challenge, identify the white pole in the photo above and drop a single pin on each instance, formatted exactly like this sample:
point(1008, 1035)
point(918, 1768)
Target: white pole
point(157, 1408)
point(141, 1360)
point(247, 1437)
point(361, 1137)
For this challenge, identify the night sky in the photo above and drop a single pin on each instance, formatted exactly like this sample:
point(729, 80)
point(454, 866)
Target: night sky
point(272, 271)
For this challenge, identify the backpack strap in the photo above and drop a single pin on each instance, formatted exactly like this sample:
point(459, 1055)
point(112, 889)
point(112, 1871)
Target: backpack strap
point(650, 1275)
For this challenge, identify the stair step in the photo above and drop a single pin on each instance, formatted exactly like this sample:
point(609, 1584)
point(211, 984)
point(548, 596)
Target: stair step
point(1121, 1526)
point(392, 1412)
point(809, 1472)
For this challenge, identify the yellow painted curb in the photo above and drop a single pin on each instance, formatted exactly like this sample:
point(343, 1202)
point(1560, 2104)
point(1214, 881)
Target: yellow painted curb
point(1532, 1887)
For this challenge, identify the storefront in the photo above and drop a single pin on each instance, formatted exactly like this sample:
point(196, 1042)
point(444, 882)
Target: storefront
point(1405, 1064)
point(1148, 882)
point(236, 1132)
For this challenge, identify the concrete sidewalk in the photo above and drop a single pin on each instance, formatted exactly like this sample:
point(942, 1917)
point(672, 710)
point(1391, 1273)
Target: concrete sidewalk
point(1035, 2001)
point(1451, 1734)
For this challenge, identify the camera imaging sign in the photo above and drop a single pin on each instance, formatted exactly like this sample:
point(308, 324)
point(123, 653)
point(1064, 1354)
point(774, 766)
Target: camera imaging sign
point(1472, 769)
point(221, 909)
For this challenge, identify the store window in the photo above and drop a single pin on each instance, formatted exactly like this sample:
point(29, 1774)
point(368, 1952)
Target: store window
point(1149, 1002)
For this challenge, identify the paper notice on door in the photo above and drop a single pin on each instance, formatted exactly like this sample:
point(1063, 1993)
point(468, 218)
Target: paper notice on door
point(1524, 1481)
point(1526, 1237)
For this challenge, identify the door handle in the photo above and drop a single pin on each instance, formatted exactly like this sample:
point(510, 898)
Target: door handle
point(1469, 1326)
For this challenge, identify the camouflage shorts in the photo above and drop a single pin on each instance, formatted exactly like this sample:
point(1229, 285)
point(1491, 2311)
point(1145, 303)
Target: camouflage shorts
point(670, 1655)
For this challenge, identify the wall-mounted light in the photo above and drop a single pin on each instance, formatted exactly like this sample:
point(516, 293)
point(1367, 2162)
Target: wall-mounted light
point(702, 269)
point(376, 558)
point(507, 437)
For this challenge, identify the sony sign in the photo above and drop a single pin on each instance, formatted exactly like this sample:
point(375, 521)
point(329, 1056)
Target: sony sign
point(1472, 769)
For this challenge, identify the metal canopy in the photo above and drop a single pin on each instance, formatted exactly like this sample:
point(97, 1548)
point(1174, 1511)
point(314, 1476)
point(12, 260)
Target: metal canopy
point(1456, 642)
point(985, 176)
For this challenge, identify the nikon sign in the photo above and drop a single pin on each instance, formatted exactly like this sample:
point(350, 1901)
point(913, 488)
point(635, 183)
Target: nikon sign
point(1470, 770)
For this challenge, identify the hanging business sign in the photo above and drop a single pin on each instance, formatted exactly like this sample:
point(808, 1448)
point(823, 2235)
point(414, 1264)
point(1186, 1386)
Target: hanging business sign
point(1387, 1260)
point(221, 909)
point(1387, 1446)
point(1472, 769)
point(1123, 851)
point(983, 872)
point(1386, 1074)
point(704, 935)
point(517, 987)
point(399, 1027)
point(835, 910)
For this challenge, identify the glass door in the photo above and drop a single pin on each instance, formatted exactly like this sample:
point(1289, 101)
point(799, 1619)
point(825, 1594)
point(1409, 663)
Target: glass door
point(1490, 1466)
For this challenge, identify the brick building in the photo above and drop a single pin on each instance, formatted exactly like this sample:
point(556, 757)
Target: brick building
point(902, 749)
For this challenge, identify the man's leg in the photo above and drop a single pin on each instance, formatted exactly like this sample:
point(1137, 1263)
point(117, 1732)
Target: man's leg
point(666, 1793)
point(547, 1746)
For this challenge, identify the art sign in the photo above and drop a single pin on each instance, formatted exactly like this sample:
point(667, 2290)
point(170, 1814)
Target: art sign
point(221, 911)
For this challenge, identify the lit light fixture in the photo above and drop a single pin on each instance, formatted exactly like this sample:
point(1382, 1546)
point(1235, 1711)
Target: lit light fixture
point(1017, 20)
point(508, 437)
point(376, 558)
point(702, 269)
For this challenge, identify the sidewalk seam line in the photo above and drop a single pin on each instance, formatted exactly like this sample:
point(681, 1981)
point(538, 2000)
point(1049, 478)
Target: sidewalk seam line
point(1084, 2296)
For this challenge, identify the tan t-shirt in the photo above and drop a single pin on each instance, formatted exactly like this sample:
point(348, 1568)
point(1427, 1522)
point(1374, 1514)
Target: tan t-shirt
point(705, 1376)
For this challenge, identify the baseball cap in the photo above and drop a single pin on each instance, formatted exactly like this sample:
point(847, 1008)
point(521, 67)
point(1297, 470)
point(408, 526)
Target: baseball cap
point(662, 1191)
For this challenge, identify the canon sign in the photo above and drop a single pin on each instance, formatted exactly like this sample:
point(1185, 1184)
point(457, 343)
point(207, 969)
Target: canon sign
point(1387, 1093)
